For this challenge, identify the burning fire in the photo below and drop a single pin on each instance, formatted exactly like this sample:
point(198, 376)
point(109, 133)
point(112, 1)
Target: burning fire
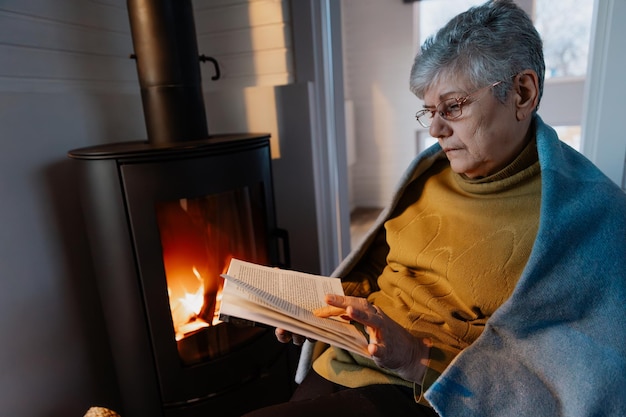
point(187, 310)
point(193, 302)
point(199, 236)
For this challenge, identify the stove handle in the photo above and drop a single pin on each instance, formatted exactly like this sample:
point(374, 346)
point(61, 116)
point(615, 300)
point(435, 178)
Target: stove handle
point(284, 256)
point(204, 58)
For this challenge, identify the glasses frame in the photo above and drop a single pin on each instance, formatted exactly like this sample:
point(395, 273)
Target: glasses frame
point(444, 113)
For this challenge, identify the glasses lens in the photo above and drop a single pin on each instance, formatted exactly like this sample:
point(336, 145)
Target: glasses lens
point(424, 117)
point(450, 109)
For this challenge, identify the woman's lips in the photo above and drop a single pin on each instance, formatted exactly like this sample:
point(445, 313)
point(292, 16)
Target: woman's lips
point(448, 147)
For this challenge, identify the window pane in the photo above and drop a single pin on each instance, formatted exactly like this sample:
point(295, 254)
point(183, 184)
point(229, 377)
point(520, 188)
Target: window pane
point(569, 135)
point(433, 14)
point(565, 27)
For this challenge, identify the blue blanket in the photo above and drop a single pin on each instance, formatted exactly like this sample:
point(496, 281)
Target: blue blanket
point(557, 347)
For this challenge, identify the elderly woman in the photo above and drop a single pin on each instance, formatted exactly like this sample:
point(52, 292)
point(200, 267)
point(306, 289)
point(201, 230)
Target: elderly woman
point(494, 283)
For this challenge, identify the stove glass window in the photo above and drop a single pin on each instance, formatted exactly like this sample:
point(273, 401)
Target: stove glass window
point(199, 236)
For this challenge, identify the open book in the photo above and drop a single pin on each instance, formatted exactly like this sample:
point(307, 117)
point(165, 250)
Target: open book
point(286, 299)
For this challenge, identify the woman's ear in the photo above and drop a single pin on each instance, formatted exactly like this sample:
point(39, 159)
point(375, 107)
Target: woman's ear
point(526, 87)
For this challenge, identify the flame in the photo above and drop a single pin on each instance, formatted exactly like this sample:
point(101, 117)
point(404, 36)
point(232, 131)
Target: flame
point(193, 302)
point(186, 309)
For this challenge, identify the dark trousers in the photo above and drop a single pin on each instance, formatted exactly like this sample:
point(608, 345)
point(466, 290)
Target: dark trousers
point(318, 397)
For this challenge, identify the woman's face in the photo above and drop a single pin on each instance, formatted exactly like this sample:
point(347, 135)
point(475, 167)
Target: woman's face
point(485, 138)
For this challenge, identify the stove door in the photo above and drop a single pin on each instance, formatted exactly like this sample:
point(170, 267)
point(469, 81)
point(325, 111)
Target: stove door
point(188, 216)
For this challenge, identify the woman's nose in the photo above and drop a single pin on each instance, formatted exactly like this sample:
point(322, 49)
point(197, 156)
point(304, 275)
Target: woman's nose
point(439, 127)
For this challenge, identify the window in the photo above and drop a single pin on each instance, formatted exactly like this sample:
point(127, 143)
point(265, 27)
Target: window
point(565, 27)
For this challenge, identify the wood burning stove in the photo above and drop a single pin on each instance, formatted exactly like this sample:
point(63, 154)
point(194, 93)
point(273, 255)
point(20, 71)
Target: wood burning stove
point(164, 217)
point(164, 223)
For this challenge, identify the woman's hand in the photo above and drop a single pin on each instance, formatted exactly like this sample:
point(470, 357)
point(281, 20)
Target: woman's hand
point(285, 336)
point(391, 345)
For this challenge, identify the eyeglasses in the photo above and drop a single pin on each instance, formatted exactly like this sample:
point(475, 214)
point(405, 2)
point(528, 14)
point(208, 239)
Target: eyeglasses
point(448, 109)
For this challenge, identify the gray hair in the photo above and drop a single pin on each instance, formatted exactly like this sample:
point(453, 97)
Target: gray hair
point(491, 42)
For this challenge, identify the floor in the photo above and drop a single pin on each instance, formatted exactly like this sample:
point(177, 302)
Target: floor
point(361, 220)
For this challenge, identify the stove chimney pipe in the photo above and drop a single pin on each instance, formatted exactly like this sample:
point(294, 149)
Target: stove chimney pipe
point(168, 66)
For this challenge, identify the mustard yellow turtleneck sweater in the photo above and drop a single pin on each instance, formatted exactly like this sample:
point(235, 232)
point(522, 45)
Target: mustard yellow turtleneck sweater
point(449, 256)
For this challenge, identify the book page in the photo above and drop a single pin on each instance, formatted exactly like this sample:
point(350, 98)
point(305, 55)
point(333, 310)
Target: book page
point(298, 288)
point(286, 299)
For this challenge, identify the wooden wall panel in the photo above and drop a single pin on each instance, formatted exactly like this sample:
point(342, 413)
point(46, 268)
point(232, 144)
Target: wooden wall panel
point(65, 44)
point(251, 40)
point(68, 44)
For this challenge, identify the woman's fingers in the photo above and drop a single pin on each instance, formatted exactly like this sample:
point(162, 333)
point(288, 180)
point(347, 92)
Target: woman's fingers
point(329, 311)
point(390, 345)
point(285, 336)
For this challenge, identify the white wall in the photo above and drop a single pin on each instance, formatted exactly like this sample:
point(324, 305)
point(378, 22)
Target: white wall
point(378, 54)
point(65, 81)
point(251, 40)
